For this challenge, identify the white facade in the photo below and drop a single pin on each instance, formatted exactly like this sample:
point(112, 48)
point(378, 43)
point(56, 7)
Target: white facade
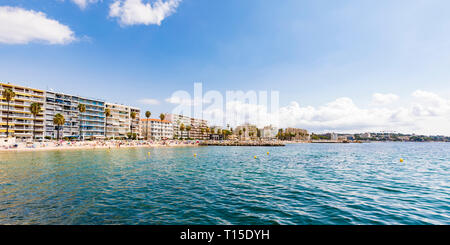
point(269, 132)
point(118, 124)
point(334, 136)
point(177, 120)
point(198, 126)
point(65, 105)
point(156, 129)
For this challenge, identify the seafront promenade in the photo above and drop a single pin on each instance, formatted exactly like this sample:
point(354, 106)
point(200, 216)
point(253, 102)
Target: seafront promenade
point(98, 144)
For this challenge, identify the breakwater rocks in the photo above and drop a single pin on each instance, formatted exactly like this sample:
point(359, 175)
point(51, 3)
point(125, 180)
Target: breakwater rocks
point(241, 143)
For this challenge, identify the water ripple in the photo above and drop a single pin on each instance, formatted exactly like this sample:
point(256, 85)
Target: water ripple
point(296, 184)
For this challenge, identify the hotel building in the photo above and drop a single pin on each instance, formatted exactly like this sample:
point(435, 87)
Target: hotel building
point(198, 129)
point(198, 126)
point(136, 122)
point(269, 132)
point(65, 105)
point(90, 123)
point(119, 123)
point(20, 117)
point(93, 119)
point(177, 120)
point(156, 129)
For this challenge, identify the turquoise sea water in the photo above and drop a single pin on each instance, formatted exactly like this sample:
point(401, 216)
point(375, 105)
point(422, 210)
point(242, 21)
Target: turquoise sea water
point(296, 184)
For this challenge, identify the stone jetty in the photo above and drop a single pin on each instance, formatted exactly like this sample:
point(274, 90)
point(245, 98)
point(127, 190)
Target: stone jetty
point(241, 143)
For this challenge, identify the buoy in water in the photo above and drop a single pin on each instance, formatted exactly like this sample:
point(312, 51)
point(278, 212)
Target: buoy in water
point(401, 159)
point(195, 155)
point(267, 153)
point(148, 153)
point(255, 157)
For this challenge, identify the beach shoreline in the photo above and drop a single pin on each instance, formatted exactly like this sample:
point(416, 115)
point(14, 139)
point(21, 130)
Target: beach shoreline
point(92, 145)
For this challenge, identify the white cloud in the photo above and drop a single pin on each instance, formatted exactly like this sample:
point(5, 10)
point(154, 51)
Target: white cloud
point(429, 104)
point(149, 101)
point(83, 3)
point(427, 113)
point(383, 99)
point(21, 26)
point(134, 12)
point(180, 101)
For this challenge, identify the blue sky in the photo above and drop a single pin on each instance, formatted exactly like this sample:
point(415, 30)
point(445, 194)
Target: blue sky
point(313, 52)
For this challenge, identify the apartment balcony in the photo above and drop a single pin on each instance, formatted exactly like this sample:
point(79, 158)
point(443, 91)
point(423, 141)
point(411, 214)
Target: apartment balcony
point(23, 134)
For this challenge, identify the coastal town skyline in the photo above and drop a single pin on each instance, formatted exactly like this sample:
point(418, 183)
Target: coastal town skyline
point(361, 76)
point(117, 114)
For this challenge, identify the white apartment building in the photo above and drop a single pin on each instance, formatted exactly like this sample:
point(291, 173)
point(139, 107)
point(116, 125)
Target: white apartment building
point(269, 132)
point(198, 126)
point(156, 129)
point(90, 124)
point(177, 120)
point(65, 105)
point(93, 119)
point(118, 125)
point(136, 123)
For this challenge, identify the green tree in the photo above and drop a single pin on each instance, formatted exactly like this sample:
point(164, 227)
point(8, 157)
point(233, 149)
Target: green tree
point(203, 132)
point(59, 121)
point(132, 116)
point(162, 116)
point(82, 109)
point(35, 109)
point(182, 128)
point(8, 95)
point(107, 114)
point(188, 129)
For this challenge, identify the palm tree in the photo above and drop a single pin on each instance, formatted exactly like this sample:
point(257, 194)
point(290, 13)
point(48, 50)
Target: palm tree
point(35, 109)
point(188, 129)
point(81, 109)
point(147, 115)
point(203, 132)
point(107, 114)
point(8, 95)
point(162, 116)
point(280, 133)
point(244, 129)
point(182, 129)
point(133, 116)
point(59, 121)
point(240, 134)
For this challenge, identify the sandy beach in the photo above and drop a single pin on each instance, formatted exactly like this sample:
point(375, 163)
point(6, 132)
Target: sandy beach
point(76, 145)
